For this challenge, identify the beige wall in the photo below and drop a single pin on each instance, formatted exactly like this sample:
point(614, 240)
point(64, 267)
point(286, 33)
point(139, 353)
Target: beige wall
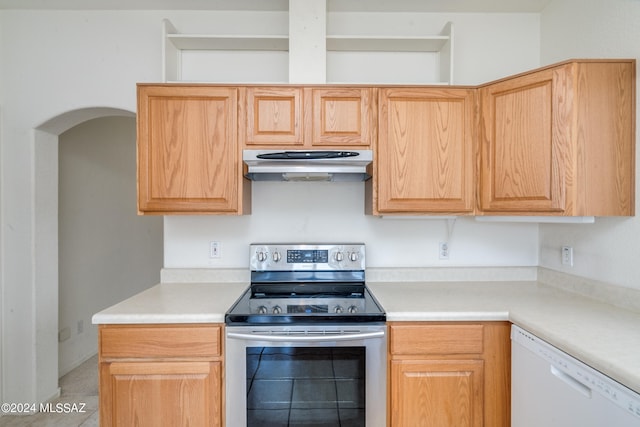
point(607, 250)
point(106, 251)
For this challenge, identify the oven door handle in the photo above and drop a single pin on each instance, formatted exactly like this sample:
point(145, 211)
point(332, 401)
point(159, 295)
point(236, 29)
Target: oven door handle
point(308, 338)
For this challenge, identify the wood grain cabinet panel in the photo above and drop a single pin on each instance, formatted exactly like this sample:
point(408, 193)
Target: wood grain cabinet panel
point(274, 116)
point(342, 116)
point(157, 394)
point(161, 375)
point(437, 339)
point(290, 117)
point(560, 141)
point(437, 393)
point(425, 154)
point(449, 374)
point(188, 157)
point(163, 341)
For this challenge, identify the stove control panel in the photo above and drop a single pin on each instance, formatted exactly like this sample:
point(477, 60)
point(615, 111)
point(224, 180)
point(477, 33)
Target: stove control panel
point(296, 257)
point(307, 306)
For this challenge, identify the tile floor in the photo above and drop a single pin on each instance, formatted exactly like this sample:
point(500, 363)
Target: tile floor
point(78, 386)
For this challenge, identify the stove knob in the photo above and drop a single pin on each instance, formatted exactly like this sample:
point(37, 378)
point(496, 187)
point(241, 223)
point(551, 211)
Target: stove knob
point(338, 309)
point(277, 310)
point(339, 256)
point(276, 256)
point(262, 310)
point(352, 309)
point(353, 256)
point(261, 256)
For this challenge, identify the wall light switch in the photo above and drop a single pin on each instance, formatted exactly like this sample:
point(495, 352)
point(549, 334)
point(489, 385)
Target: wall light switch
point(214, 250)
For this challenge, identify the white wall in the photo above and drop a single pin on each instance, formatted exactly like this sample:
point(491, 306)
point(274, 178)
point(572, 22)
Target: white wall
point(330, 212)
point(607, 250)
point(98, 229)
point(59, 63)
point(487, 47)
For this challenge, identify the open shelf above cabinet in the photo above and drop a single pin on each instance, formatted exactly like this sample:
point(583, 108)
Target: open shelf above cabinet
point(350, 58)
point(228, 42)
point(387, 43)
point(431, 54)
point(175, 45)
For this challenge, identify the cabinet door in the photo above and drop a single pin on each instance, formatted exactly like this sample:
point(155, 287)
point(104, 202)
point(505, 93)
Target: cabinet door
point(437, 393)
point(187, 150)
point(274, 116)
point(157, 394)
point(425, 151)
point(526, 142)
point(342, 116)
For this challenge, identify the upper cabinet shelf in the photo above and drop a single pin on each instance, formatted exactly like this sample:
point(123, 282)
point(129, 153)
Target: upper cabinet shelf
point(227, 42)
point(350, 58)
point(391, 59)
point(387, 44)
point(211, 58)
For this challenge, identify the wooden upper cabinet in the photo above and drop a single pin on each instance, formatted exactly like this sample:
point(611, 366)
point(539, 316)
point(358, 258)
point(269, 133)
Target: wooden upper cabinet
point(425, 151)
point(188, 154)
point(307, 117)
point(274, 116)
point(523, 166)
point(560, 141)
point(342, 116)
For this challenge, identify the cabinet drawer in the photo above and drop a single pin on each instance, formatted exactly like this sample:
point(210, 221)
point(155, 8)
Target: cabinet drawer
point(160, 341)
point(436, 339)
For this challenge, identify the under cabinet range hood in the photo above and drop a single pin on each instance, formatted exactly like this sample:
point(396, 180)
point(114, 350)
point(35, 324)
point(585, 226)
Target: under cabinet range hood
point(307, 165)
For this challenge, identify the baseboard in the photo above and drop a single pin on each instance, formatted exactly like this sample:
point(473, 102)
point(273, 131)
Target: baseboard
point(66, 369)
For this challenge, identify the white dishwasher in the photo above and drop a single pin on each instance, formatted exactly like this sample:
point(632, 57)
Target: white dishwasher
point(549, 388)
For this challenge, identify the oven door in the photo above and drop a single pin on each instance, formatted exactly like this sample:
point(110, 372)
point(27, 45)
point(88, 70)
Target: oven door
point(309, 375)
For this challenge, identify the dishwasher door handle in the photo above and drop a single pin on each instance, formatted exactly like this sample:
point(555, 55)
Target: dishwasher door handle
point(571, 382)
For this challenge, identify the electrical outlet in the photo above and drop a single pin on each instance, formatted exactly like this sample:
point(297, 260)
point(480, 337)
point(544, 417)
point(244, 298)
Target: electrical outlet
point(443, 251)
point(214, 250)
point(567, 256)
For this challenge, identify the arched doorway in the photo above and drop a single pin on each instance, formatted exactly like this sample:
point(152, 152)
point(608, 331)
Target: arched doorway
point(106, 251)
point(46, 233)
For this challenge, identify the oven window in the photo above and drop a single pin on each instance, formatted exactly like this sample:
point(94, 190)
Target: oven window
point(295, 386)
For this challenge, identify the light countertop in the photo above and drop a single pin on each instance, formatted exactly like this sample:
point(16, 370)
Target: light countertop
point(174, 303)
point(602, 335)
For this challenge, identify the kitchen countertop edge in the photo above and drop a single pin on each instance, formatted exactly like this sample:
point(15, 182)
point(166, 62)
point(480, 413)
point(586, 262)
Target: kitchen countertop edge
point(599, 334)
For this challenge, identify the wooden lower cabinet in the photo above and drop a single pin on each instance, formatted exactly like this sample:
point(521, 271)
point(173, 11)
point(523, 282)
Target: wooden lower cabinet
point(437, 392)
point(449, 374)
point(161, 375)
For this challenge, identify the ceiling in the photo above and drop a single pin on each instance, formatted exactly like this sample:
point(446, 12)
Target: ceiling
point(469, 6)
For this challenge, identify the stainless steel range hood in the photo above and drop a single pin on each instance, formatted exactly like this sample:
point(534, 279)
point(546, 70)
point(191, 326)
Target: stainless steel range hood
point(307, 165)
